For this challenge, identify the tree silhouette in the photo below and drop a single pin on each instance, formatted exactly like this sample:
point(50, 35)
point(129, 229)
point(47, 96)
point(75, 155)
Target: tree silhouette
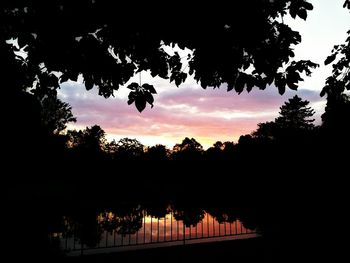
point(189, 149)
point(124, 222)
point(215, 152)
point(337, 113)
point(295, 114)
point(190, 216)
point(56, 114)
point(294, 118)
point(89, 141)
point(266, 130)
point(129, 149)
point(88, 38)
point(339, 81)
point(157, 153)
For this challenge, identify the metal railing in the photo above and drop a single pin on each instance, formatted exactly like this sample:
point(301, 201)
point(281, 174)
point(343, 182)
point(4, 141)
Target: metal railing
point(157, 232)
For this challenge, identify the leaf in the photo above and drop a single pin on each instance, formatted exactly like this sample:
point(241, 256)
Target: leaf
point(178, 81)
point(330, 59)
point(239, 85)
point(183, 76)
point(73, 76)
point(323, 92)
point(293, 11)
point(140, 103)
point(133, 86)
point(281, 89)
point(229, 86)
point(52, 81)
point(131, 97)
point(149, 98)
point(64, 78)
point(292, 86)
point(308, 6)
point(269, 79)
point(260, 83)
point(89, 84)
point(250, 84)
point(249, 87)
point(150, 88)
point(280, 83)
point(302, 14)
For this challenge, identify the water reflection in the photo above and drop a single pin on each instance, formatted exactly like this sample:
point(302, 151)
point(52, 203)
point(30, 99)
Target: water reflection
point(137, 226)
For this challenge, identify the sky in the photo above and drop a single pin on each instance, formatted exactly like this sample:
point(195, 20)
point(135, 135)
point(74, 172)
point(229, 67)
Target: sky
point(211, 115)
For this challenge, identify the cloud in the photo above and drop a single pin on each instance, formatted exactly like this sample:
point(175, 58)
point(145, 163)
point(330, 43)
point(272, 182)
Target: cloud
point(207, 115)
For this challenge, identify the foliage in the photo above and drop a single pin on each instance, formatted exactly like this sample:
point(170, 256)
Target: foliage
point(294, 116)
point(129, 149)
point(189, 149)
point(188, 145)
point(55, 114)
point(337, 112)
point(241, 43)
point(339, 81)
point(91, 140)
point(157, 153)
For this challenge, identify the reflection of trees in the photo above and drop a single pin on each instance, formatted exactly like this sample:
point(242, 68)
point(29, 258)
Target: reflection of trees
point(229, 214)
point(124, 222)
point(222, 215)
point(191, 216)
point(158, 209)
point(69, 227)
point(86, 228)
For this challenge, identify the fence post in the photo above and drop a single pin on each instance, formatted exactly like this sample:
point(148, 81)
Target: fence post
point(184, 231)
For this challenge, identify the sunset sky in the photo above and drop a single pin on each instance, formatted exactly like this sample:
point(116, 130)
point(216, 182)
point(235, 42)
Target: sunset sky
point(211, 115)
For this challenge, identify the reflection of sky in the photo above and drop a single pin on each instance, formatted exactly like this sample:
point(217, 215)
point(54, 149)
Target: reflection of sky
point(165, 229)
point(170, 229)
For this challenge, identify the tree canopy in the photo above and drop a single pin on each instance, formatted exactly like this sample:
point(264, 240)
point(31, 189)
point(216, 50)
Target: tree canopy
point(294, 117)
point(295, 114)
point(241, 44)
point(339, 81)
point(56, 114)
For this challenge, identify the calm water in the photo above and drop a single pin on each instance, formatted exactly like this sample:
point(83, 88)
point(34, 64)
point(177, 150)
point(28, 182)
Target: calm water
point(109, 231)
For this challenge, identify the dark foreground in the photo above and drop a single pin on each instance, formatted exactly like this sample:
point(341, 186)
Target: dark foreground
point(248, 250)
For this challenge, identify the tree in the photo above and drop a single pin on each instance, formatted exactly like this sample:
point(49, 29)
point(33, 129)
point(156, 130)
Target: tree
point(89, 141)
point(189, 149)
point(339, 81)
point(266, 130)
point(157, 153)
point(129, 149)
point(295, 115)
point(190, 216)
point(336, 118)
point(215, 152)
point(337, 112)
point(55, 114)
point(108, 45)
point(294, 118)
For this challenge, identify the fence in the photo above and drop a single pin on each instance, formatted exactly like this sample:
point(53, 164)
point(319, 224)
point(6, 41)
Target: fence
point(157, 232)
